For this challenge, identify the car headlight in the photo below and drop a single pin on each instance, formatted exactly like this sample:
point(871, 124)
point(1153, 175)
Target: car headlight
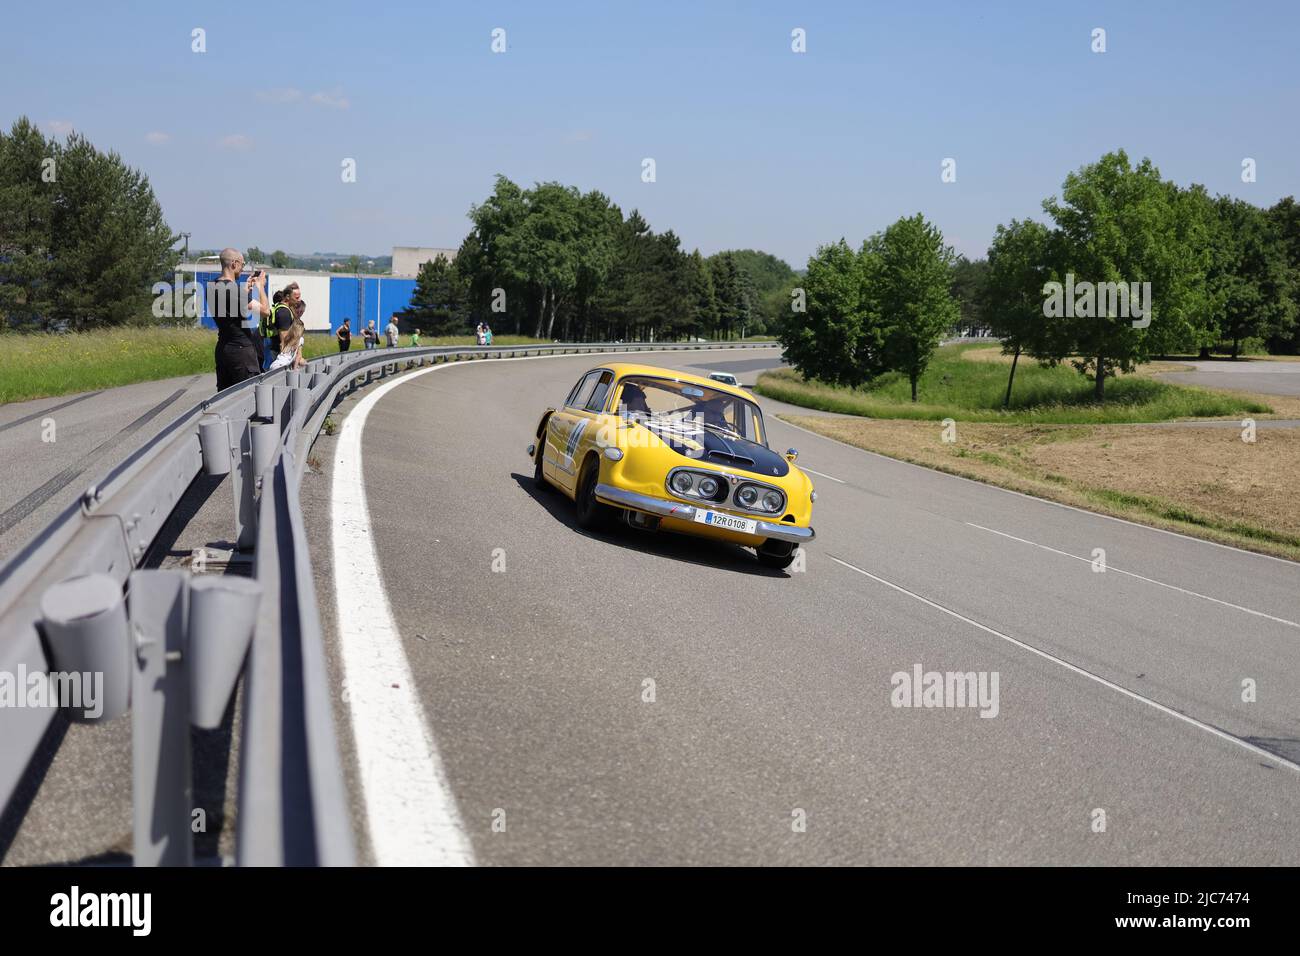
point(707, 488)
point(772, 501)
point(747, 496)
point(683, 482)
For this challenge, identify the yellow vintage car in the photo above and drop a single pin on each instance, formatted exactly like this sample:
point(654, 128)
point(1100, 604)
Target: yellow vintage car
point(663, 450)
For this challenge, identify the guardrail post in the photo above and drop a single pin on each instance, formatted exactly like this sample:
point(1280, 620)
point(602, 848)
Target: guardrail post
point(265, 440)
point(223, 613)
point(226, 449)
point(161, 781)
point(265, 393)
point(84, 622)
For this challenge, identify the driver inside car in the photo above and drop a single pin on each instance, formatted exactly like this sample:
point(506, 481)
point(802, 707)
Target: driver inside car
point(712, 412)
point(633, 399)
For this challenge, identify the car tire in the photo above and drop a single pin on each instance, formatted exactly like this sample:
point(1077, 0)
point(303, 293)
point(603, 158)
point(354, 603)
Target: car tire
point(592, 515)
point(774, 558)
point(539, 479)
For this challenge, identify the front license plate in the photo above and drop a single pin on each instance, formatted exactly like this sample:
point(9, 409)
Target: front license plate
point(718, 520)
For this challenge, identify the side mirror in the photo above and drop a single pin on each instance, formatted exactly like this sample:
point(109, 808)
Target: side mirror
point(791, 454)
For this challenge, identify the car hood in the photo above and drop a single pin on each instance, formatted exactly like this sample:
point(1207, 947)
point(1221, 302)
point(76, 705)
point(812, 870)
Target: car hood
point(702, 445)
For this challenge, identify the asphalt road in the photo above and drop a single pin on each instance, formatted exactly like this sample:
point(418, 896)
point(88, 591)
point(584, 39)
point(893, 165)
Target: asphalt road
point(1121, 735)
point(45, 467)
point(1268, 378)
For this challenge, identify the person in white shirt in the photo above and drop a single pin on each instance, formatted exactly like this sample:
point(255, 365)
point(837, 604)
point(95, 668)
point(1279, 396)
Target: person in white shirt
point(290, 355)
point(390, 331)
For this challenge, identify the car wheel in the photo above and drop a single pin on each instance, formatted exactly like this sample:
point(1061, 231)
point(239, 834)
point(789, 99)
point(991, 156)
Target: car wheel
point(778, 555)
point(592, 515)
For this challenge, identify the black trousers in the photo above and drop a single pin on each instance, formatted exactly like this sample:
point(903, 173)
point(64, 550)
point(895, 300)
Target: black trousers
point(236, 362)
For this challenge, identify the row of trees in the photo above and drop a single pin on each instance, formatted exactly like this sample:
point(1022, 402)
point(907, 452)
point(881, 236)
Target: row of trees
point(1221, 271)
point(82, 237)
point(557, 263)
point(881, 308)
point(1217, 270)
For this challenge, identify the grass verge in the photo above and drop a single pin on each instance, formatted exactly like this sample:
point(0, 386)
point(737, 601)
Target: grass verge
point(1201, 481)
point(45, 365)
point(968, 390)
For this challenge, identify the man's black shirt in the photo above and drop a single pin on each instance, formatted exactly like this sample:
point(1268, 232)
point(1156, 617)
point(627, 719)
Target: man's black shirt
point(224, 301)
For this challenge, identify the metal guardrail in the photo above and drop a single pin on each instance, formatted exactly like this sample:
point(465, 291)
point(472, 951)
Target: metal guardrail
point(172, 645)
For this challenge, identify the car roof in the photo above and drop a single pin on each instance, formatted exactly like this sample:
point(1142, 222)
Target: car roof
point(621, 369)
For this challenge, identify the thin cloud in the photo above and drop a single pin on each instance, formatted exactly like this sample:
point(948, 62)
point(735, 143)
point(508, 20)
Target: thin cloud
point(237, 141)
point(580, 136)
point(158, 138)
point(335, 101)
point(58, 127)
point(285, 94)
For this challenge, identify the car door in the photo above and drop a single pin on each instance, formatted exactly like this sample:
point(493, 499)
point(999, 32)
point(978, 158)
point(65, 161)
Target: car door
point(564, 432)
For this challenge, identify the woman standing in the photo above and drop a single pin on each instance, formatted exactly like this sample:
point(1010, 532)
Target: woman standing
point(344, 335)
point(290, 355)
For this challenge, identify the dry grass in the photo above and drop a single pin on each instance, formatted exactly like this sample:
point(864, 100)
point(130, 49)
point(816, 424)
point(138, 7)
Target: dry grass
point(1201, 481)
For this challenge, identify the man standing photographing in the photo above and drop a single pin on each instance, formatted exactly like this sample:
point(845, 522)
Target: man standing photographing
point(238, 352)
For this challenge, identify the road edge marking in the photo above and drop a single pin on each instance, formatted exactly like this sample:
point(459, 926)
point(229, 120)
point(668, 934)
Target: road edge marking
point(1132, 574)
point(1076, 669)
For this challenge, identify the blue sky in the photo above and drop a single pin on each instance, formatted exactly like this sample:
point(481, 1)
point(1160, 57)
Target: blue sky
point(755, 146)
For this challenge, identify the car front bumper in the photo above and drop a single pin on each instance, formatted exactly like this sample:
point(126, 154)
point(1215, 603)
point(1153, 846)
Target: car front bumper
point(684, 512)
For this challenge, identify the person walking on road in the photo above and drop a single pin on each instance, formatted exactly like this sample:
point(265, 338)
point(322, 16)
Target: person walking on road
point(237, 315)
point(344, 335)
point(390, 332)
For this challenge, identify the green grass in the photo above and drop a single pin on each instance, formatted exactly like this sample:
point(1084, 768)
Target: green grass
point(45, 365)
point(956, 388)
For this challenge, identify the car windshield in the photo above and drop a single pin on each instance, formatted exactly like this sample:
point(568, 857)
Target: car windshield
point(664, 400)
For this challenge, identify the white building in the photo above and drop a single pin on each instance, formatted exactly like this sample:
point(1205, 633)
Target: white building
point(408, 259)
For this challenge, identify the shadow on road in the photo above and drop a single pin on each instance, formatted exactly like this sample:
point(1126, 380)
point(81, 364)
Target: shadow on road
point(674, 547)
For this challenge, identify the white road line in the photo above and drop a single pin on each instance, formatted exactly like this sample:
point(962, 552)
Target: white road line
point(410, 811)
point(1073, 668)
point(1035, 498)
point(1111, 568)
point(821, 475)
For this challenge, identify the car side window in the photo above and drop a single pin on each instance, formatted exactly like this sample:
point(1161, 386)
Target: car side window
point(573, 392)
point(583, 392)
point(597, 400)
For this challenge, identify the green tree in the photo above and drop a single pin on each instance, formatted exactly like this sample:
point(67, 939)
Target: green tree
point(770, 281)
point(1251, 277)
point(108, 244)
point(967, 280)
point(1123, 224)
point(1285, 217)
point(838, 337)
point(907, 269)
point(26, 212)
point(439, 304)
point(703, 302)
point(1010, 294)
